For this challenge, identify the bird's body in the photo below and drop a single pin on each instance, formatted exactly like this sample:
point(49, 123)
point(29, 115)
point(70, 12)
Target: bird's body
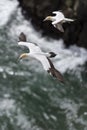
point(58, 20)
point(36, 52)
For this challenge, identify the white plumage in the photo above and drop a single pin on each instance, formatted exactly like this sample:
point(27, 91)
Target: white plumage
point(58, 17)
point(36, 52)
point(33, 48)
point(58, 20)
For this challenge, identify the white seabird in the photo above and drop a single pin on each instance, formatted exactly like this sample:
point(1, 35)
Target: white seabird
point(36, 52)
point(58, 20)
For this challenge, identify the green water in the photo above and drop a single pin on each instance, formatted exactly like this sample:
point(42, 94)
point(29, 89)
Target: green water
point(30, 99)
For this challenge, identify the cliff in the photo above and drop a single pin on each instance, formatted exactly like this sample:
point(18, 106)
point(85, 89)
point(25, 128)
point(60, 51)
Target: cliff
point(75, 33)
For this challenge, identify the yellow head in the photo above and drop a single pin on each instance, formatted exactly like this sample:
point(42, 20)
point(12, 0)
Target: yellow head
point(24, 55)
point(48, 18)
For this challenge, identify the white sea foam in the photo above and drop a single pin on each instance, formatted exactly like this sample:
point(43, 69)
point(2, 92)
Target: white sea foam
point(7, 106)
point(25, 123)
point(7, 7)
point(67, 59)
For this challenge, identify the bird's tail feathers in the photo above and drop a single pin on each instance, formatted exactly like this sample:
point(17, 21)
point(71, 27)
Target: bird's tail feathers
point(68, 20)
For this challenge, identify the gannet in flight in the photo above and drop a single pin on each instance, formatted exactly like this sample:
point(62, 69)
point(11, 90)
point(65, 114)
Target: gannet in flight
point(58, 20)
point(22, 37)
point(37, 53)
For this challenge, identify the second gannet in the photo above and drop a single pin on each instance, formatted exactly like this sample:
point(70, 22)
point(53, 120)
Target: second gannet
point(37, 53)
point(58, 20)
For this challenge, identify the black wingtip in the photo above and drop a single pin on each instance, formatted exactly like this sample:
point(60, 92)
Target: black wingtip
point(52, 54)
point(22, 37)
point(55, 73)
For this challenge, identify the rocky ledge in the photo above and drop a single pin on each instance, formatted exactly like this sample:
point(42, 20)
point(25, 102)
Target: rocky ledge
point(75, 33)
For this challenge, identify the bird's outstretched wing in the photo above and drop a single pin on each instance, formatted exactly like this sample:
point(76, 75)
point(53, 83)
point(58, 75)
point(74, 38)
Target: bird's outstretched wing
point(58, 18)
point(56, 12)
point(31, 46)
point(22, 37)
point(49, 67)
point(54, 72)
point(59, 27)
point(43, 60)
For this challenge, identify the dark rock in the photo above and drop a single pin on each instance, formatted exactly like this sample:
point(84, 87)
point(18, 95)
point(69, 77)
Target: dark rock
point(75, 32)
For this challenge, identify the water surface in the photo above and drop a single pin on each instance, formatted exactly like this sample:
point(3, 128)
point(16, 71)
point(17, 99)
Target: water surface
point(30, 99)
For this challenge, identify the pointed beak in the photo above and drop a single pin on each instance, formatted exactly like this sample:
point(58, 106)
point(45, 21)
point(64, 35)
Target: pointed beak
point(45, 19)
point(48, 18)
point(22, 56)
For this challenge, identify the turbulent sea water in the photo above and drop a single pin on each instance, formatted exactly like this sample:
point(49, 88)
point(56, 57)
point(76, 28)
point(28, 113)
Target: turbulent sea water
point(30, 99)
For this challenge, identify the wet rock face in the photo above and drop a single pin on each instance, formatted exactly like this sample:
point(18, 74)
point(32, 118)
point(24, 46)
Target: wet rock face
point(40, 8)
point(82, 17)
point(75, 33)
point(37, 10)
